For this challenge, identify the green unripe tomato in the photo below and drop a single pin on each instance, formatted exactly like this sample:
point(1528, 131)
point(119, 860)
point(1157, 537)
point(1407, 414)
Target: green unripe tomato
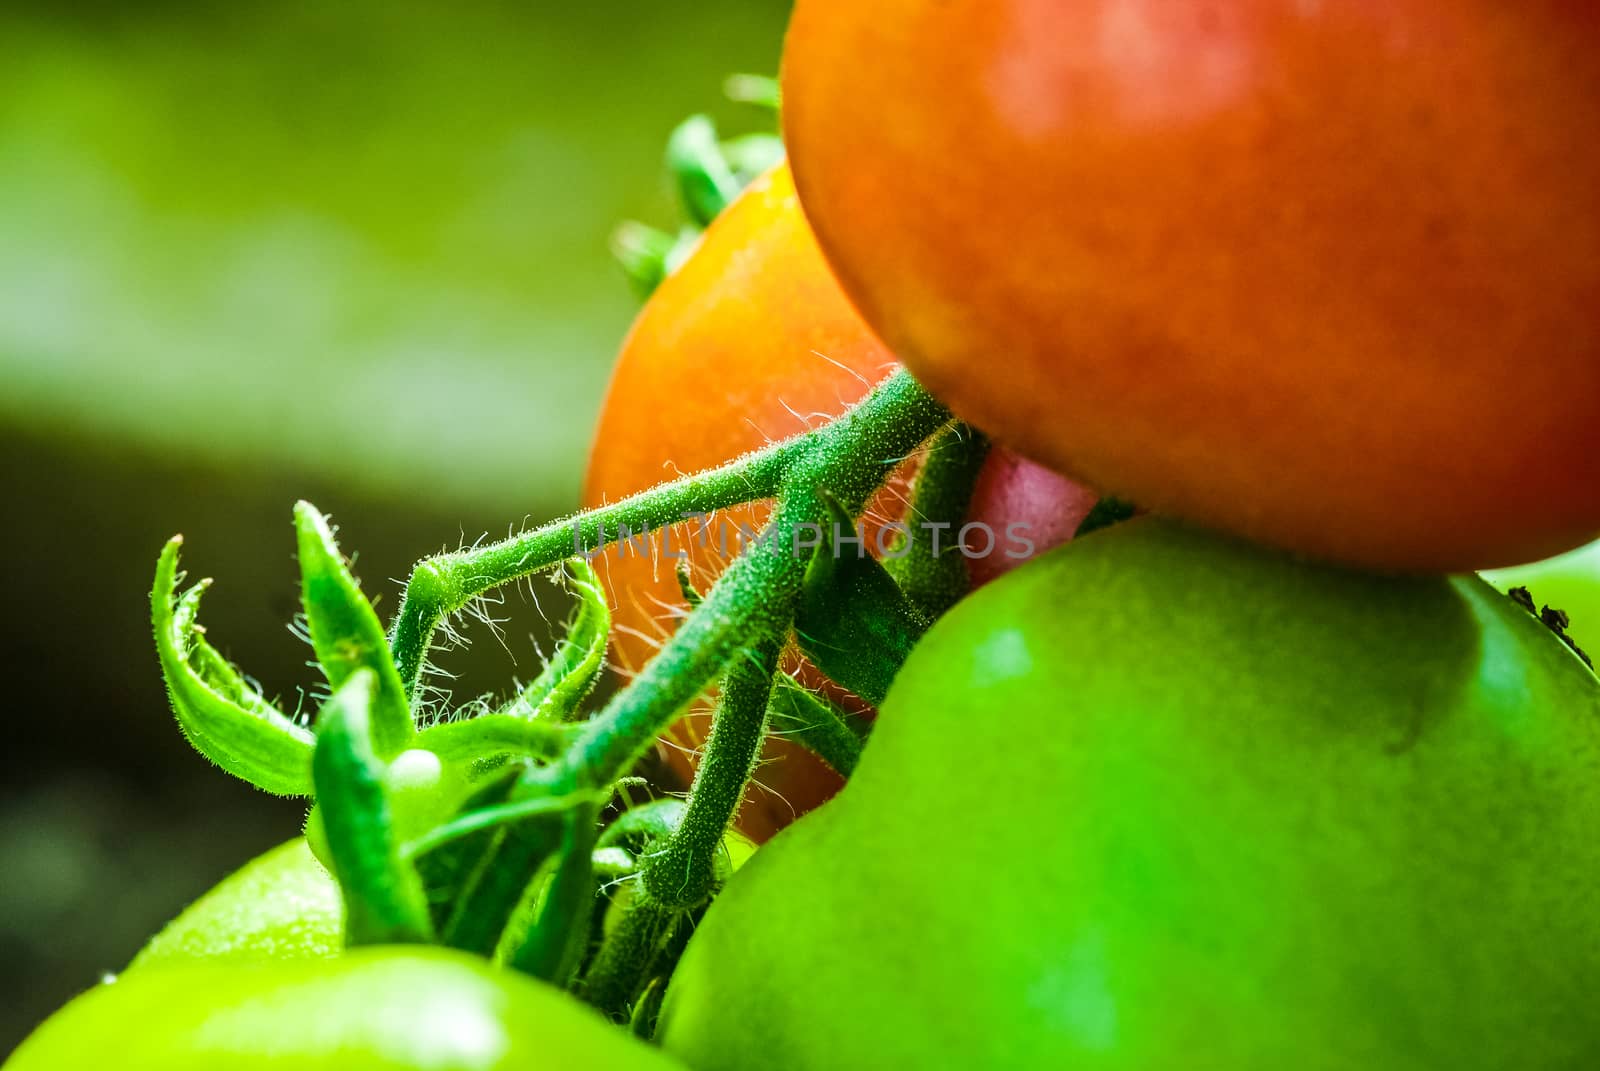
point(1161, 800)
point(282, 905)
point(374, 1008)
point(1570, 583)
point(285, 904)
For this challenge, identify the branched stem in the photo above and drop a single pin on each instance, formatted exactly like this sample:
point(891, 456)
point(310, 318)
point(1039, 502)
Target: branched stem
point(441, 585)
point(753, 601)
point(679, 873)
point(749, 609)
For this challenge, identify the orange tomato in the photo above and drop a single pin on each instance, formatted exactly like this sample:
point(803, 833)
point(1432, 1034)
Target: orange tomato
point(1324, 274)
point(749, 341)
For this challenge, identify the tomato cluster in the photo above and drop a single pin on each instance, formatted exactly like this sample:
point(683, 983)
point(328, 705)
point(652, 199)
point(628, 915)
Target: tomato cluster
point(1262, 778)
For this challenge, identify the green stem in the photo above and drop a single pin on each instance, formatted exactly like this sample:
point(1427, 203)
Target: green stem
point(680, 872)
point(929, 566)
point(497, 886)
point(754, 598)
point(384, 900)
point(554, 945)
point(442, 585)
point(628, 956)
point(751, 605)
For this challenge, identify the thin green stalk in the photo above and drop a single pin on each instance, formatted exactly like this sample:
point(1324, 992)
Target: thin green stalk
point(384, 901)
point(629, 955)
point(441, 585)
point(680, 872)
point(929, 565)
point(553, 948)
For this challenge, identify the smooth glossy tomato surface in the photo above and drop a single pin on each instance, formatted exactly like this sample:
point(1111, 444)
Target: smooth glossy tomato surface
point(752, 341)
point(395, 1009)
point(1229, 810)
point(1324, 274)
point(282, 905)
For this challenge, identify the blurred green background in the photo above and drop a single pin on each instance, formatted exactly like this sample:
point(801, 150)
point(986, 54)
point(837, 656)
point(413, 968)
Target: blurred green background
point(251, 252)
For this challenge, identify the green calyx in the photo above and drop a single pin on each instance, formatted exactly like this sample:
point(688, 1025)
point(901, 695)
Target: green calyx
point(707, 173)
point(383, 896)
point(482, 831)
point(345, 631)
point(403, 817)
point(853, 620)
point(931, 572)
point(220, 712)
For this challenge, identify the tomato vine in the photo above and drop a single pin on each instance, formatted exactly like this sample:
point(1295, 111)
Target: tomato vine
point(491, 831)
point(519, 837)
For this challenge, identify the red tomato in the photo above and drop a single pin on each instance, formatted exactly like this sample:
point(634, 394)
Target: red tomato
point(751, 340)
point(1324, 274)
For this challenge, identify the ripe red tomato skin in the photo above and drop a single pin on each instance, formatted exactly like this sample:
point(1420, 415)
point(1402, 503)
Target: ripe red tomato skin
point(1320, 274)
point(749, 341)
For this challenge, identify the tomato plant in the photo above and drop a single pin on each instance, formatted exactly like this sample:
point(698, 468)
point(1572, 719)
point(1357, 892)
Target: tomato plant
point(1159, 798)
point(480, 829)
point(1320, 274)
point(1244, 813)
point(281, 905)
point(749, 341)
point(375, 1008)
